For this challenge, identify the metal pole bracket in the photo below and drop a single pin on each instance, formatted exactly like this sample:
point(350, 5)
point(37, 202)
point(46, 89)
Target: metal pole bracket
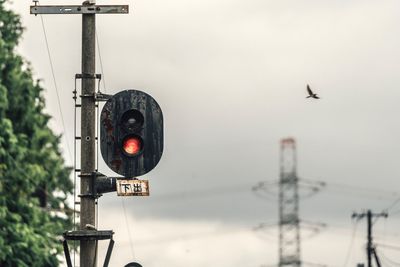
point(87, 9)
point(93, 190)
point(93, 235)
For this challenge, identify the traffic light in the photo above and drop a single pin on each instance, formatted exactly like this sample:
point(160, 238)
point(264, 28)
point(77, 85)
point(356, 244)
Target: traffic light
point(131, 132)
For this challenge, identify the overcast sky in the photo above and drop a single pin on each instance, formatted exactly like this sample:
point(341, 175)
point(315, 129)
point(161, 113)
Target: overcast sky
point(230, 77)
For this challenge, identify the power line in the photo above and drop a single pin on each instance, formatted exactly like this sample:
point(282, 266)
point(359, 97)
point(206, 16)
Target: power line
point(364, 192)
point(191, 236)
point(313, 228)
point(101, 63)
point(234, 189)
point(337, 188)
point(128, 228)
point(353, 235)
point(264, 230)
point(216, 191)
point(394, 212)
point(309, 188)
point(389, 260)
point(391, 206)
point(56, 87)
point(342, 186)
point(388, 246)
point(386, 262)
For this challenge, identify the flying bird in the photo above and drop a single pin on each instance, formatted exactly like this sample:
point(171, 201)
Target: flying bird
point(311, 94)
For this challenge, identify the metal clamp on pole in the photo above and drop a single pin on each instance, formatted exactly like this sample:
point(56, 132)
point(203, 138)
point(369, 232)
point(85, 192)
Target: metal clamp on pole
point(87, 76)
point(99, 96)
point(93, 190)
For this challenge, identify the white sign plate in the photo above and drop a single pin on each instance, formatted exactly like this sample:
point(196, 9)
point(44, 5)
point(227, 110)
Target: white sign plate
point(133, 187)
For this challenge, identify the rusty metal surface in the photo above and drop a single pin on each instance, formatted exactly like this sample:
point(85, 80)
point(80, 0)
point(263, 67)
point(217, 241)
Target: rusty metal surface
point(74, 9)
point(112, 133)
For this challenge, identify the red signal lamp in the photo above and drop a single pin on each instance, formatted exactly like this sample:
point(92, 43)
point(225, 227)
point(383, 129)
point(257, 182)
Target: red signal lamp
point(132, 145)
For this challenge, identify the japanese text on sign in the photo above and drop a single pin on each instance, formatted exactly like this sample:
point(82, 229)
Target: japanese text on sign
point(133, 188)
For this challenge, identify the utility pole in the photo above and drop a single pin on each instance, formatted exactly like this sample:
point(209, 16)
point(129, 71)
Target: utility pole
point(88, 138)
point(370, 246)
point(132, 136)
point(369, 238)
point(88, 239)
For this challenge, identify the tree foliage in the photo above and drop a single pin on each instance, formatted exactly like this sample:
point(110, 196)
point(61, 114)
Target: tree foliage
point(34, 182)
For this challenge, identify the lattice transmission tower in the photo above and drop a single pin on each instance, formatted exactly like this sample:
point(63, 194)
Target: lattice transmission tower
point(289, 223)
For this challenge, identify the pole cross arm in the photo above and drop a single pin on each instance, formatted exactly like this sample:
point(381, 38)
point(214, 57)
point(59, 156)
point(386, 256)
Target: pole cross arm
point(85, 9)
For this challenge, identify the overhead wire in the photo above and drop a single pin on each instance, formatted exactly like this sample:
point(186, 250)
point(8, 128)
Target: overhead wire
point(261, 190)
point(264, 230)
point(388, 259)
point(388, 246)
point(394, 212)
point(313, 228)
point(337, 188)
point(192, 236)
point(201, 193)
point(393, 204)
point(101, 62)
point(128, 226)
point(384, 262)
point(384, 232)
point(265, 187)
point(128, 229)
point(231, 189)
point(56, 88)
point(72, 158)
point(369, 192)
point(351, 243)
point(361, 192)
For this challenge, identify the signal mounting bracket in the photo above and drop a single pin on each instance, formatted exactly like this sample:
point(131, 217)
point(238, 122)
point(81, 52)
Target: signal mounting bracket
point(99, 96)
point(93, 190)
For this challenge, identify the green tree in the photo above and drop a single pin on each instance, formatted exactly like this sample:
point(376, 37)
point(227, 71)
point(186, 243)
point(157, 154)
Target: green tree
point(34, 181)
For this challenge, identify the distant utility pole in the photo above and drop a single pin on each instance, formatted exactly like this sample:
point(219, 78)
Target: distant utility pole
point(370, 246)
point(88, 10)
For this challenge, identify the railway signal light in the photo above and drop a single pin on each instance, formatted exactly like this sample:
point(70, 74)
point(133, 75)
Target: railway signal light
point(131, 129)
